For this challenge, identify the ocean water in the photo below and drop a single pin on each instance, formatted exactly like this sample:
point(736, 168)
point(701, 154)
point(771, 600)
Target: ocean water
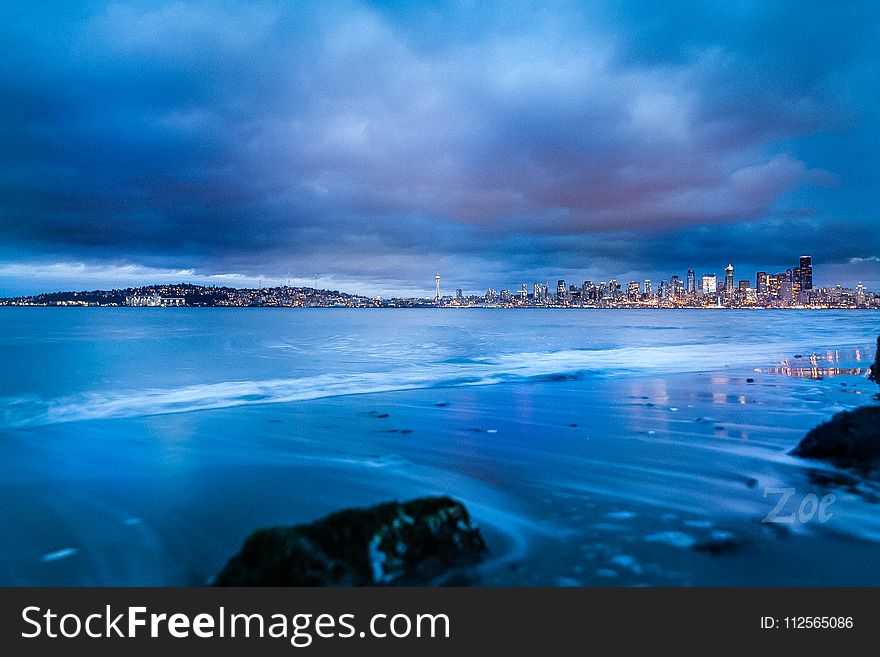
point(622, 447)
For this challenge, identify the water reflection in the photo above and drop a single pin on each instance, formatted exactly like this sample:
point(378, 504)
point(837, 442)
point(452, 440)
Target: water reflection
point(818, 366)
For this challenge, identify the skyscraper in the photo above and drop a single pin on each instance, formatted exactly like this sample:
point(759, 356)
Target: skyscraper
point(691, 282)
point(762, 282)
point(614, 288)
point(806, 273)
point(675, 287)
point(709, 284)
point(633, 291)
point(729, 281)
point(774, 285)
point(560, 289)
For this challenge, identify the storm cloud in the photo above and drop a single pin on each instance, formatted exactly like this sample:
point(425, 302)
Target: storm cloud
point(372, 144)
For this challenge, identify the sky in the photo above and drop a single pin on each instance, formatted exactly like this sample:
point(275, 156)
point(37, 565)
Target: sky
point(367, 146)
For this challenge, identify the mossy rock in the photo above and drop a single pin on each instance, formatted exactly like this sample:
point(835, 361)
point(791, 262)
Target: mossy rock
point(387, 544)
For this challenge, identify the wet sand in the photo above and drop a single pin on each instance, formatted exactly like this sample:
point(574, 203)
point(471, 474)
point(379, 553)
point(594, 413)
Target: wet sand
point(592, 480)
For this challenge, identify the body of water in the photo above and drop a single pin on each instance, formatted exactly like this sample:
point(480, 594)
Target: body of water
point(620, 447)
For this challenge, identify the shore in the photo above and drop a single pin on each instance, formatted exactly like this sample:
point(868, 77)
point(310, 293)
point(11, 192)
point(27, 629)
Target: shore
point(581, 480)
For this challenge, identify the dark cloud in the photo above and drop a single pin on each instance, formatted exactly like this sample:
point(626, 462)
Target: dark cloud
point(376, 143)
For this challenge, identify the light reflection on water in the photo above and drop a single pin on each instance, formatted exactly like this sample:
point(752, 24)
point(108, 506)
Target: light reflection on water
point(818, 366)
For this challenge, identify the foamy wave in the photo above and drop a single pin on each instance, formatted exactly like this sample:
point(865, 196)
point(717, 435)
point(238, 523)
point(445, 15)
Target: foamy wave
point(23, 412)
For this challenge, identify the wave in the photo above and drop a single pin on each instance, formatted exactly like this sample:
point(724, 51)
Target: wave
point(515, 367)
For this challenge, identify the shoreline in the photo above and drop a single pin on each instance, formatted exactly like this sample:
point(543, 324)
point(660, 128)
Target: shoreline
point(606, 486)
point(523, 308)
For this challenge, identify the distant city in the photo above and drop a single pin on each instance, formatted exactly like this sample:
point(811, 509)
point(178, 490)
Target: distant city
point(792, 288)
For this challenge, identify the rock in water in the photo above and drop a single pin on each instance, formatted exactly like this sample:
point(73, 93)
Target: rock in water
point(410, 543)
point(851, 439)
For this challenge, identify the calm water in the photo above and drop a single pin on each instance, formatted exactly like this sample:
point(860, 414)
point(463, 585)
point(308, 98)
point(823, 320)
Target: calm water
point(140, 446)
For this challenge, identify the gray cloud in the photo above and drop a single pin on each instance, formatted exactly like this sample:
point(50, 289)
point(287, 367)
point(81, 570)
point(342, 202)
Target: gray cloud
point(379, 144)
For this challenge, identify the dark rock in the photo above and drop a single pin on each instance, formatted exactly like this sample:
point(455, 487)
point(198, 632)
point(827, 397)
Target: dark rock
point(718, 542)
point(750, 380)
point(850, 439)
point(382, 416)
point(412, 543)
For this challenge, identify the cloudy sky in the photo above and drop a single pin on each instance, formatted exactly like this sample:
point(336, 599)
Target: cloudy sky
point(371, 145)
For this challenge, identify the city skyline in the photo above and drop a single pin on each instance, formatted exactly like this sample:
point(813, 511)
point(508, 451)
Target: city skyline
point(372, 144)
point(793, 288)
point(132, 277)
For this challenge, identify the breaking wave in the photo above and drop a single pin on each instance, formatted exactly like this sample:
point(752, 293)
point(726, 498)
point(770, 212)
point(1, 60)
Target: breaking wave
point(501, 368)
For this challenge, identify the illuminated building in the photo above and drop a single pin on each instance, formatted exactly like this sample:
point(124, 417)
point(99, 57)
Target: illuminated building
point(762, 282)
point(675, 287)
point(154, 301)
point(633, 291)
point(806, 272)
point(709, 285)
point(729, 282)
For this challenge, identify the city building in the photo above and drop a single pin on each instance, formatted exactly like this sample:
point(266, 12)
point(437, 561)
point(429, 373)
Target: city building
point(729, 282)
point(762, 282)
point(709, 284)
point(633, 291)
point(154, 301)
point(806, 273)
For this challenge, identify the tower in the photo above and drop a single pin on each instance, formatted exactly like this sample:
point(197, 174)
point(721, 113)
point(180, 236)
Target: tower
point(560, 290)
point(729, 281)
point(437, 288)
point(691, 282)
point(806, 273)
